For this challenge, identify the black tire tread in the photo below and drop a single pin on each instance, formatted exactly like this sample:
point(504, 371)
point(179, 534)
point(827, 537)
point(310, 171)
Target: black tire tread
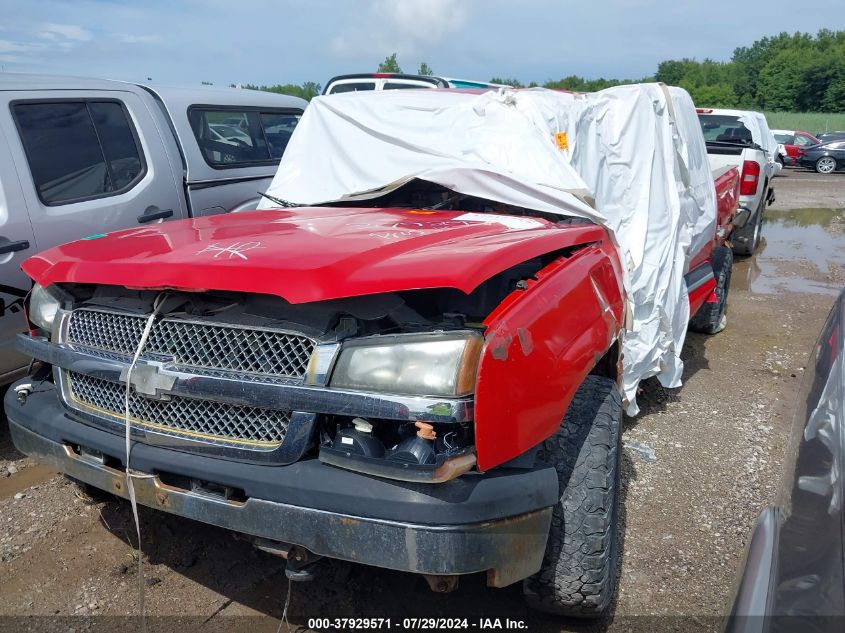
point(578, 576)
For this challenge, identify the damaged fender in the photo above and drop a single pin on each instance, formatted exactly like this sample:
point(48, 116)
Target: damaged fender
point(550, 333)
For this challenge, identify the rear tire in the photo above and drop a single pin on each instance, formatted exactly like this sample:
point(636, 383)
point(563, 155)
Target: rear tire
point(578, 576)
point(746, 240)
point(710, 318)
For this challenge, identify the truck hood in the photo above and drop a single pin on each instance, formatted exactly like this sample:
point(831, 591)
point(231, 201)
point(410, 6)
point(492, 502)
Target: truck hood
point(310, 254)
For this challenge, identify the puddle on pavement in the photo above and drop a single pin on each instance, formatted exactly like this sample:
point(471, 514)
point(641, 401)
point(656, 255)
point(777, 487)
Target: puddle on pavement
point(803, 251)
point(25, 478)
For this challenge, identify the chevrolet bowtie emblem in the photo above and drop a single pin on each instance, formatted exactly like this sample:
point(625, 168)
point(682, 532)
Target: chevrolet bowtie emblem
point(150, 380)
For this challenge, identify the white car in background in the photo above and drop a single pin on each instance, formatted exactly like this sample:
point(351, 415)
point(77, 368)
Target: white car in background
point(230, 134)
point(742, 139)
point(398, 81)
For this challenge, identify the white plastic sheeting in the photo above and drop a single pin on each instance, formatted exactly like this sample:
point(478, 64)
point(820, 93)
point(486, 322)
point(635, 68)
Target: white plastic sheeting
point(636, 151)
point(760, 132)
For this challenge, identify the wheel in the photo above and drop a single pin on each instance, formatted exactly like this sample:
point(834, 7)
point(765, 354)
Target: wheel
point(746, 240)
point(826, 165)
point(578, 576)
point(711, 317)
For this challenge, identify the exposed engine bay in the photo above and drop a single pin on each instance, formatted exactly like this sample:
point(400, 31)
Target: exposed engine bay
point(421, 194)
point(390, 313)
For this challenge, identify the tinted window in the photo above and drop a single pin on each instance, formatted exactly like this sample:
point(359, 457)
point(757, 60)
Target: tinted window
point(352, 87)
point(277, 129)
point(723, 128)
point(78, 150)
point(786, 139)
point(117, 141)
point(230, 138)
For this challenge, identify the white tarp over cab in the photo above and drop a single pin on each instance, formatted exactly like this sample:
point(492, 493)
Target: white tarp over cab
point(636, 151)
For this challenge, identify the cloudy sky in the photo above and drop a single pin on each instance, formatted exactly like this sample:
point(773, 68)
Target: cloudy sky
point(284, 41)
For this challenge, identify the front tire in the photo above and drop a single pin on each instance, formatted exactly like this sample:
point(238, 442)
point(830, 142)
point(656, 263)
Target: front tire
point(711, 317)
point(578, 576)
point(826, 165)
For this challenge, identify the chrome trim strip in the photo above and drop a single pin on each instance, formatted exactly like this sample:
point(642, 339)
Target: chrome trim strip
point(232, 389)
point(297, 436)
point(323, 359)
point(698, 277)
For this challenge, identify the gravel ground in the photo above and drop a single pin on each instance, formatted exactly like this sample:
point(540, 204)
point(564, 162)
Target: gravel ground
point(718, 446)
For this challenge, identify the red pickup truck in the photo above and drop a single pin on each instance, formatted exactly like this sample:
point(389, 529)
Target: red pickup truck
point(378, 385)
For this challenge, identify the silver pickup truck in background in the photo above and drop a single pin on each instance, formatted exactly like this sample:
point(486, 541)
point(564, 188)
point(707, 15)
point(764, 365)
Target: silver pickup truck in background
point(742, 139)
point(89, 156)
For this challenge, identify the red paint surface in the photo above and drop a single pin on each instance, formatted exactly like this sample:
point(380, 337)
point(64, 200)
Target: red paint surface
point(540, 344)
point(727, 201)
point(307, 254)
point(701, 295)
point(727, 197)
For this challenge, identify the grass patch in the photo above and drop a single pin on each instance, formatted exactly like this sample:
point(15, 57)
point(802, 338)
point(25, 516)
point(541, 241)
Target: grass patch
point(811, 122)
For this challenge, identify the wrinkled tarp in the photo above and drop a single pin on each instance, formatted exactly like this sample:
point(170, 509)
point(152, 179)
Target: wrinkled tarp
point(636, 151)
point(760, 132)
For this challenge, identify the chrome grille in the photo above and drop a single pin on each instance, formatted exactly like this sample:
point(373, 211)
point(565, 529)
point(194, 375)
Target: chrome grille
point(200, 419)
point(195, 343)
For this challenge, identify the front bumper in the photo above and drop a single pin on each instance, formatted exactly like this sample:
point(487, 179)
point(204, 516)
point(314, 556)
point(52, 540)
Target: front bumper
point(496, 523)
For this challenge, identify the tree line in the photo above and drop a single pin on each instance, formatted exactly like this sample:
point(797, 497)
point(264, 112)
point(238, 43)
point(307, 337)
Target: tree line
point(782, 73)
point(798, 72)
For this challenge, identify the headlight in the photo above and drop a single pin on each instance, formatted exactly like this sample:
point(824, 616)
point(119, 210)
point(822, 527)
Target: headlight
point(417, 364)
point(42, 307)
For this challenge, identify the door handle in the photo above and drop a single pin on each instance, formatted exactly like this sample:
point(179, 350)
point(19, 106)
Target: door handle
point(154, 213)
point(11, 247)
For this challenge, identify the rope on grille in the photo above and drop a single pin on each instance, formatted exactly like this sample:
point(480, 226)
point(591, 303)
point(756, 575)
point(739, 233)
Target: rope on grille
point(130, 476)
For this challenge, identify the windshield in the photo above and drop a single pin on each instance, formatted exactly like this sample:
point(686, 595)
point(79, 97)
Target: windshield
point(724, 129)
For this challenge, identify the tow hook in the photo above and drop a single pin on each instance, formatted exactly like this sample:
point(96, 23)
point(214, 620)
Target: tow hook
point(302, 565)
point(442, 584)
point(22, 392)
